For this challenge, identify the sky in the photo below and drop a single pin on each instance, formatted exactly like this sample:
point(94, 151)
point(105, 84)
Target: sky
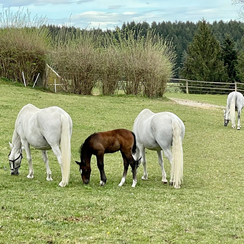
point(109, 14)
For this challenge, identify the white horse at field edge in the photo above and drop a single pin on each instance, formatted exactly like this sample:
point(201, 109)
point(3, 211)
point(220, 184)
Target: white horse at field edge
point(235, 101)
point(160, 131)
point(43, 129)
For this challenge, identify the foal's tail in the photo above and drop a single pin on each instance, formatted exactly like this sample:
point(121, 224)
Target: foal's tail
point(177, 152)
point(232, 110)
point(134, 145)
point(66, 131)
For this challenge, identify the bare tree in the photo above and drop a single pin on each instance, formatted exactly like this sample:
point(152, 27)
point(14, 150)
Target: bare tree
point(241, 10)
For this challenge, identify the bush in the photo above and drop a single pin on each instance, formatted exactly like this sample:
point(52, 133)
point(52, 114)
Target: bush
point(22, 48)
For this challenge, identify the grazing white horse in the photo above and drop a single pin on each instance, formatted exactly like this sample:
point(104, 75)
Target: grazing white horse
point(43, 129)
point(160, 131)
point(235, 100)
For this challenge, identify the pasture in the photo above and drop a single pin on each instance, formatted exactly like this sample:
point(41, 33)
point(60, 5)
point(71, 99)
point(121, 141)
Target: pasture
point(208, 208)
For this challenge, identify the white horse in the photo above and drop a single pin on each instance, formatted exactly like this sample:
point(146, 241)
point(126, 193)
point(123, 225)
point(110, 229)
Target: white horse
point(160, 131)
point(235, 100)
point(43, 129)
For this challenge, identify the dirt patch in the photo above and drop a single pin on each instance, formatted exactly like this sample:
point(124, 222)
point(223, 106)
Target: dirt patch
point(195, 103)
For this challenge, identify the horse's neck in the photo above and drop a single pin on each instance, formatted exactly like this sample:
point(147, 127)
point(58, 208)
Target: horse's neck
point(16, 141)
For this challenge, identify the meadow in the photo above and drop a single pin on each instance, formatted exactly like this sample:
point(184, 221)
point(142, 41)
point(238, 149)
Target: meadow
point(208, 208)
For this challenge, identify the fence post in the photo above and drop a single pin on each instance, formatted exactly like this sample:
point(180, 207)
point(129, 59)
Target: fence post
point(235, 86)
point(187, 91)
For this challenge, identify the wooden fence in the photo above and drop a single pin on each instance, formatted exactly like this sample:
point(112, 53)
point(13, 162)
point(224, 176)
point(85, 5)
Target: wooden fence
point(189, 86)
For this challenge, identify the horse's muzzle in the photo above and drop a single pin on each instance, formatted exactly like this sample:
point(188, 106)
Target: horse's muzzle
point(16, 172)
point(86, 181)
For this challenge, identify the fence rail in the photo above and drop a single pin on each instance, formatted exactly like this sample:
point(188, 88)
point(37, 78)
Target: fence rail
point(192, 85)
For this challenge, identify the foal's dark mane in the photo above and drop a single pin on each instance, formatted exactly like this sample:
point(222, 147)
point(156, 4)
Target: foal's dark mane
point(83, 146)
point(134, 146)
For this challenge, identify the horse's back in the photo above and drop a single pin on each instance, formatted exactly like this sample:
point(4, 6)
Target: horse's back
point(162, 127)
point(41, 127)
point(155, 130)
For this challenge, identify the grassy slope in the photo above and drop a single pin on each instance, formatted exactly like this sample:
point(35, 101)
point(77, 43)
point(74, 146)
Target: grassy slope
point(207, 209)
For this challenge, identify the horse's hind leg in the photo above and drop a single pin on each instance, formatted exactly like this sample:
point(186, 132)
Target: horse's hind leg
point(45, 159)
point(161, 163)
point(239, 120)
point(57, 152)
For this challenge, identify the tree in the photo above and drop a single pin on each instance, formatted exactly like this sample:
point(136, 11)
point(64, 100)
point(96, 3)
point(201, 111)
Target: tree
point(229, 56)
point(203, 58)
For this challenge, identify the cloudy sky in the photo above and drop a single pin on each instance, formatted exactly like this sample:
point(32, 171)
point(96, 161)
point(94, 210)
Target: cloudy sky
point(107, 14)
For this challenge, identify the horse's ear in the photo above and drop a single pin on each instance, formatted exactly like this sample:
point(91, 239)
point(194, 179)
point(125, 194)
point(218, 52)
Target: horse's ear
point(78, 163)
point(10, 144)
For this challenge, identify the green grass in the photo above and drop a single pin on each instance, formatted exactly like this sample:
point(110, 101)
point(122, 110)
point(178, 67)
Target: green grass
point(207, 209)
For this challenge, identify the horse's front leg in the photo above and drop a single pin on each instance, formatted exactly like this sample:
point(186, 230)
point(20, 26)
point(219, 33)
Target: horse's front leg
point(239, 120)
point(126, 166)
point(45, 159)
point(29, 159)
point(100, 166)
point(161, 163)
point(144, 163)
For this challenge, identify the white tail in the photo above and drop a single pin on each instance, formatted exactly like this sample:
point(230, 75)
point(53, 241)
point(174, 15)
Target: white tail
point(65, 145)
point(177, 152)
point(232, 111)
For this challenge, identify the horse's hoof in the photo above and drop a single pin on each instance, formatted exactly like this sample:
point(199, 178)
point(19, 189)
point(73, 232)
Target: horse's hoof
point(238, 128)
point(171, 183)
point(49, 179)
point(164, 182)
point(30, 176)
point(144, 178)
point(102, 183)
point(63, 184)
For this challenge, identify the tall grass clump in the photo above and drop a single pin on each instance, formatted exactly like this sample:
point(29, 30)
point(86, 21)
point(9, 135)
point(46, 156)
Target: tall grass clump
point(148, 63)
point(76, 61)
point(23, 45)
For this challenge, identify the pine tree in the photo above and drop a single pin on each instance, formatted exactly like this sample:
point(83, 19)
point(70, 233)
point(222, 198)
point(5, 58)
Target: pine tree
point(229, 56)
point(203, 58)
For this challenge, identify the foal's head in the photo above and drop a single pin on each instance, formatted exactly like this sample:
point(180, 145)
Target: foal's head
point(85, 168)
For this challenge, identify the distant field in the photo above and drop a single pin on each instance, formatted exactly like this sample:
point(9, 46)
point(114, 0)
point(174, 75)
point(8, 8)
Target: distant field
point(209, 207)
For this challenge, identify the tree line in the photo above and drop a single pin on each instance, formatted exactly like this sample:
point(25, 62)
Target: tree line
point(134, 54)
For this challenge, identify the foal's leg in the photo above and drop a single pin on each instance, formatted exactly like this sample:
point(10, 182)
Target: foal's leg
point(100, 165)
point(45, 159)
point(239, 120)
point(57, 152)
point(161, 163)
point(29, 159)
point(126, 166)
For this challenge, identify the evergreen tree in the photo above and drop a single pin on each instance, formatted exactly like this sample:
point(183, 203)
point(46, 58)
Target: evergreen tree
point(203, 59)
point(229, 56)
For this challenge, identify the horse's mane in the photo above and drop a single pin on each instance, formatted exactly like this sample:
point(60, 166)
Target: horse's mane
point(134, 146)
point(83, 146)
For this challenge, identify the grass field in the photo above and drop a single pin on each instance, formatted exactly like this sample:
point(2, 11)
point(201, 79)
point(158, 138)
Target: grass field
point(208, 208)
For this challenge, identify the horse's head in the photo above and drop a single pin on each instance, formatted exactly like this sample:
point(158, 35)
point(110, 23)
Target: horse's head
point(14, 158)
point(226, 118)
point(85, 172)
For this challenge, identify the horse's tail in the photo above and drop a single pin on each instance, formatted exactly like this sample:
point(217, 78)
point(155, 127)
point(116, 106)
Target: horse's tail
point(177, 153)
point(134, 145)
point(65, 144)
point(232, 110)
